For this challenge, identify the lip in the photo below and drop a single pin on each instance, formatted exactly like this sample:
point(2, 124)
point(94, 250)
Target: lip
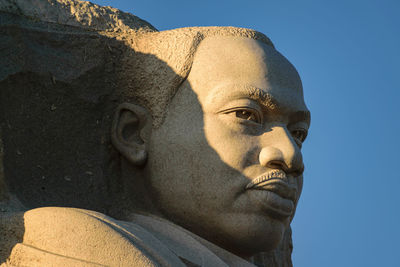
point(274, 193)
point(275, 181)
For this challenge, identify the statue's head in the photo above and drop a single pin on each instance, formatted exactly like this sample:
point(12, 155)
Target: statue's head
point(214, 120)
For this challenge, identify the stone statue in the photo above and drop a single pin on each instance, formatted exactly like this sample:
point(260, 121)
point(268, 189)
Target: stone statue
point(203, 166)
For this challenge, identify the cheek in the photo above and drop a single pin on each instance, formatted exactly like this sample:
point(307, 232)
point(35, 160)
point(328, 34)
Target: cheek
point(180, 160)
point(233, 147)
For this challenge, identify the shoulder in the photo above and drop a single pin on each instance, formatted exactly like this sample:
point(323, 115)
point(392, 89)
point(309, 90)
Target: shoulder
point(91, 237)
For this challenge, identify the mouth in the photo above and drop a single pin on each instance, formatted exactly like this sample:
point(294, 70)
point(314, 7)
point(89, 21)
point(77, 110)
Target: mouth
point(275, 181)
point(279, 195)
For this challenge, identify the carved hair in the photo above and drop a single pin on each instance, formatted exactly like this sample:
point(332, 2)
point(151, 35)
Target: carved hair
point(159, 63)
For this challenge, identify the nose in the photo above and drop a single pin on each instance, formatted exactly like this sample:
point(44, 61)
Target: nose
point(281, 152)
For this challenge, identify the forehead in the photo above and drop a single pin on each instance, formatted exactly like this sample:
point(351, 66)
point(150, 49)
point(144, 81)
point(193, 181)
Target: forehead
point(224, 64)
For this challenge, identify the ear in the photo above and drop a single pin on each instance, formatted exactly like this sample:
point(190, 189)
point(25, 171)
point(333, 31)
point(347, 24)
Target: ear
point(130, 132)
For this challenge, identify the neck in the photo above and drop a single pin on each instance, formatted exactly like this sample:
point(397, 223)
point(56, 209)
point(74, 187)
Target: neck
point(135, 193)
point(168, 230)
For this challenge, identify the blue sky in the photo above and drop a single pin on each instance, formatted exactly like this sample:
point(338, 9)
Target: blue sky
point(347, 55)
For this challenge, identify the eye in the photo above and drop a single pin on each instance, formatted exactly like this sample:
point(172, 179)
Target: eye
point(245, 114)
point(299, 135)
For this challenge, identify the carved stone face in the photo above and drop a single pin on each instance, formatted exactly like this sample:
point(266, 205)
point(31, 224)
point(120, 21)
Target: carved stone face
point(226, 163)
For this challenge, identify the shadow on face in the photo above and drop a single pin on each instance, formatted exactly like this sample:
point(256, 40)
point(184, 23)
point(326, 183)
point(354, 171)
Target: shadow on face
point(225, 163)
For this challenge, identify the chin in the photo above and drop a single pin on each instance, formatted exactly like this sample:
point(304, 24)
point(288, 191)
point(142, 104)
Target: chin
point(250, 236)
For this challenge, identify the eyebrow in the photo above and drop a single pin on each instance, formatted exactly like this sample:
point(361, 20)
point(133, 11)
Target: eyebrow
point(258, 95)
point(249, 91)
point(269, 101)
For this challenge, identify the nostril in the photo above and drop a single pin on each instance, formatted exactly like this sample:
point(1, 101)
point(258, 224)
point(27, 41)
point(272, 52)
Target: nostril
point(288, 162)
point(271, 156)
point(277, 164)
